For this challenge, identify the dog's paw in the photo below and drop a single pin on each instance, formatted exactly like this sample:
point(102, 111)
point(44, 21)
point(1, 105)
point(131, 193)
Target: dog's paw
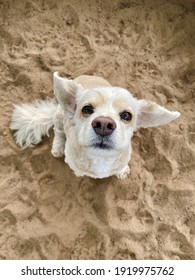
point(125, 172)
point(57, 152)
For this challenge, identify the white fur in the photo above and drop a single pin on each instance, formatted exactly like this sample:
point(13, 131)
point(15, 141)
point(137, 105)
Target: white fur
point(32, 121)
point(74, 135)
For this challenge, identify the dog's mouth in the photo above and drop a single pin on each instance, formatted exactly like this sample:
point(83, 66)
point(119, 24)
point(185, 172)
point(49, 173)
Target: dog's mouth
point(102, 143)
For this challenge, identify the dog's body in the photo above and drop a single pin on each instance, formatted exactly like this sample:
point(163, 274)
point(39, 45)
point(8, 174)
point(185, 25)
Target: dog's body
point(93, 124)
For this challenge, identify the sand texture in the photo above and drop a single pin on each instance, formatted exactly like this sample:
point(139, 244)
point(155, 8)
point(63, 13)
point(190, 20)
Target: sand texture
point(143, 45)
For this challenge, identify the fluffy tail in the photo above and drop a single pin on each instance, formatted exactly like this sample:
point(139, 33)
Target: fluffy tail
point(32, 121)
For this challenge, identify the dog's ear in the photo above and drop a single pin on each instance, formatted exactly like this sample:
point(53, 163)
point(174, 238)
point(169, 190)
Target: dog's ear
point(151, 114)
point(65, 91)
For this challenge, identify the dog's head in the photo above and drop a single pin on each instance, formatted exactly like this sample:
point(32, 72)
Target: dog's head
point(106, 117)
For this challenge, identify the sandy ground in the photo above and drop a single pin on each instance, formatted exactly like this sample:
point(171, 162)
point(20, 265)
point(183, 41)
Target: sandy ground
point(144, 46)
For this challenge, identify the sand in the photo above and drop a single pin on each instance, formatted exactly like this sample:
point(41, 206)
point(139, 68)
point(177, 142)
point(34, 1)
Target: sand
point(144, 46)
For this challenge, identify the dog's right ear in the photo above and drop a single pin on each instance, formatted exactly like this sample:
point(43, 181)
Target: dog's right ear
point(65, 91)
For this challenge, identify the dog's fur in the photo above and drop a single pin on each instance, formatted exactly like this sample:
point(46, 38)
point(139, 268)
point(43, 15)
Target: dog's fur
point(86, 152)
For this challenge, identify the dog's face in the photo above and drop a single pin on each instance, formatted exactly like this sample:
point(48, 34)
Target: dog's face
point(106, 117)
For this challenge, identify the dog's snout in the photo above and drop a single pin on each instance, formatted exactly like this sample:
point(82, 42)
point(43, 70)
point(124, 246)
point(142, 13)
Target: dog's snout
point(103, 126)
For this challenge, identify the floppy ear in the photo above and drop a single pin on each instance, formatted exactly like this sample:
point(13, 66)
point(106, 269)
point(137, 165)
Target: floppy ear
point(65, 91)
point(151, 114)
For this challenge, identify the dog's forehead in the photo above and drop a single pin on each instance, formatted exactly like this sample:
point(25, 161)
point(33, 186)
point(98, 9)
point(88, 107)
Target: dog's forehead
point(115, 96)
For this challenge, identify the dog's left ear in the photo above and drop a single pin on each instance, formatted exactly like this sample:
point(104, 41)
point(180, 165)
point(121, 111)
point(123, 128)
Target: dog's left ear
point(65, 91)
point(151, 114)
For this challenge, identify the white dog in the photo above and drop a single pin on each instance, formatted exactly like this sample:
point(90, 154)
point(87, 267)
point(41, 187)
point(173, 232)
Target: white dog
point(93, 124)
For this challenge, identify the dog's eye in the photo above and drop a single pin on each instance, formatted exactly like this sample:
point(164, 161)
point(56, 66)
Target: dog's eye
point(88, 110)
point(126, 116)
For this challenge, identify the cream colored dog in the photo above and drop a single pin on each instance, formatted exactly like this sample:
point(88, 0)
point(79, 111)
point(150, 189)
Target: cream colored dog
point(93, 124)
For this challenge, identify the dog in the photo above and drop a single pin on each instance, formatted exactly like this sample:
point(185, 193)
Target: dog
point(93, 124)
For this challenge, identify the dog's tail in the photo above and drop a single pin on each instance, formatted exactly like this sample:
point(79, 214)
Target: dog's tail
point(32, 121)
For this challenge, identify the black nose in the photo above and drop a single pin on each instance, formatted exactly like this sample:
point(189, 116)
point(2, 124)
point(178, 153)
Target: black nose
point(103, 126)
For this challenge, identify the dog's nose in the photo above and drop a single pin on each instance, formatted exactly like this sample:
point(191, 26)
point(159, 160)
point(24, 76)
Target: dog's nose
point(103, 126)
